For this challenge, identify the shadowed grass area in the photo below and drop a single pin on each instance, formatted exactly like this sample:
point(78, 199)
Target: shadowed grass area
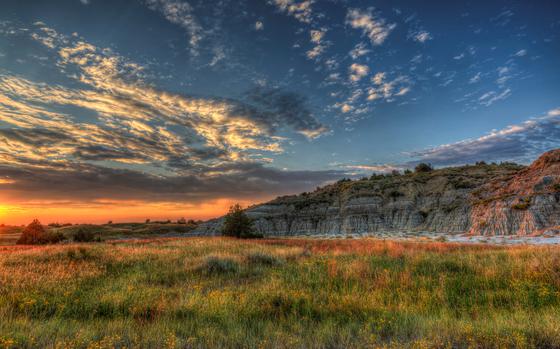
point(217, 292)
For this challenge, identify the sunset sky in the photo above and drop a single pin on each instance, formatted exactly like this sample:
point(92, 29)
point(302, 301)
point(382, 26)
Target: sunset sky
point(124, 110)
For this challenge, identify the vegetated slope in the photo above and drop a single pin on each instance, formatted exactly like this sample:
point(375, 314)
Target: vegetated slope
point(118, 230)
point(493, 199)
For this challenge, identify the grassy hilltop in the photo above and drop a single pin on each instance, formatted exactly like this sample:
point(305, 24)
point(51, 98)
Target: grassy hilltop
point(219, 292)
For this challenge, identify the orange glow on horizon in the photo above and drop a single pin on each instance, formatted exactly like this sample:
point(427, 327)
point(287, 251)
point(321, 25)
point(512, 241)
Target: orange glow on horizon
point(115, 211)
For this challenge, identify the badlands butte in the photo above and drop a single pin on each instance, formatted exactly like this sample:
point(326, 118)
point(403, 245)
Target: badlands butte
point(481, 199)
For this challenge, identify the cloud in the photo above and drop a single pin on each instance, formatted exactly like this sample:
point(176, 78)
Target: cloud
point(300, 10)
point(275, 108)
point(492, 97)
point(459, 57)
point(521, 53)
point(316, 37)
point(382, 168)
point(521, 143)
point(182, 14)
point(375, 28)
point(359, 50)
point(358, 71)
point(89, 183)
point(259, 25)
point(388, 89)
point(346, 108)
point(139, 124)
point(475, 78)
point(85, 2)
point(421, 36)
point(114, 136)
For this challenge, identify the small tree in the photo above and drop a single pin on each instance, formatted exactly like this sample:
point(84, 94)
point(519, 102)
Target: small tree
point(238, 224)
point(32, 234)
point(35, 234)
point(423, 167)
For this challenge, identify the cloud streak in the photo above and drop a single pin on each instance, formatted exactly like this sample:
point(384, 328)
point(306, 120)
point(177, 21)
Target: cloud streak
point(522, 143)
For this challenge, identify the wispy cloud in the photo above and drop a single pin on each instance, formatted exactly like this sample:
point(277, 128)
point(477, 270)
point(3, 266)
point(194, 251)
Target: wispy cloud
point(377, 168)
point(388, 89)
point(359, 50)
point(492, 97)
point(374, 27)
point(301, 10)
point(182, 14)
point(476, 78)
point(421, 36)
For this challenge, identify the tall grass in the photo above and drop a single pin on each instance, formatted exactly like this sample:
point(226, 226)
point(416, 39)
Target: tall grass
point(215, 292)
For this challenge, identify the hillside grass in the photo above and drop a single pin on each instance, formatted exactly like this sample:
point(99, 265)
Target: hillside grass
point(10, 234)
point(292, 293)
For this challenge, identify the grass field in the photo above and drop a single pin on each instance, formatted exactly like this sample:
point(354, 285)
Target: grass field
point(217, 292)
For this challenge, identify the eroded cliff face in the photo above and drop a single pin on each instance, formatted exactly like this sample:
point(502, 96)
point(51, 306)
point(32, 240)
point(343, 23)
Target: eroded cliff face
point(480, 199)
point(528, 203)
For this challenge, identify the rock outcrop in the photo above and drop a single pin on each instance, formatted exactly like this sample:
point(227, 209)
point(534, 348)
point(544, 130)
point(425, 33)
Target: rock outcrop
point(488, 199)
point(528, 203)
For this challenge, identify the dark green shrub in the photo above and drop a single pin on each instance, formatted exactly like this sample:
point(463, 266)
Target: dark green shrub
point(83, 235)
point(261, 258)
point(219, 265)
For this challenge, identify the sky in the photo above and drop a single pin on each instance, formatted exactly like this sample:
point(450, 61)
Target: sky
point(124, 110)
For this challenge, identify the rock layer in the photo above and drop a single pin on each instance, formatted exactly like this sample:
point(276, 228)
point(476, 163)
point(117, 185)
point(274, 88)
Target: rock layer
point(487, 199)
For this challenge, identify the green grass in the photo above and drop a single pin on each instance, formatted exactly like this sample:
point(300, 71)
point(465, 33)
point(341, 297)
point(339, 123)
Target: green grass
point(216, 292)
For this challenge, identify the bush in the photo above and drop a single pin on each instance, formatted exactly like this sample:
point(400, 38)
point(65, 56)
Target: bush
point(238, 224)
point(83, 235)
point(219, 265)
point(520, 206)
point(261, 258)
point(36, 234)
point(523, 204)
point(423, 167)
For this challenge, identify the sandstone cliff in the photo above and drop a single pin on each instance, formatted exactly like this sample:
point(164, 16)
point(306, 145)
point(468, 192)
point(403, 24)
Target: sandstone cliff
point(487, 199)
